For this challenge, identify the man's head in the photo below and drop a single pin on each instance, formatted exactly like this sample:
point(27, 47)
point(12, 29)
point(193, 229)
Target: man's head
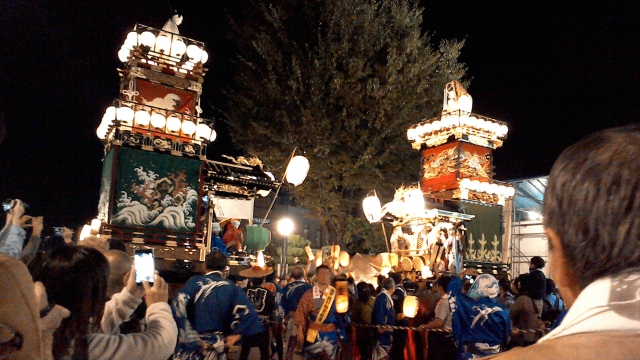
point(119, 267)
point(297, 273)
point(216, 261)
point(505, 286)
point(536, 263)
point(443, 281)
point(592, 209)
point(397, 278)
point(388, 285)
point(323, 275)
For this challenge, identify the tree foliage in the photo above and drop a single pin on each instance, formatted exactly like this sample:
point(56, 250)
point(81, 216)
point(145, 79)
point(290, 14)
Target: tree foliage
point(341, 80)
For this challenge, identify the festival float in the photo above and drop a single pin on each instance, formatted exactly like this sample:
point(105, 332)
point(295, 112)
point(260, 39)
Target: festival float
point(453, 218)
point(158, 188)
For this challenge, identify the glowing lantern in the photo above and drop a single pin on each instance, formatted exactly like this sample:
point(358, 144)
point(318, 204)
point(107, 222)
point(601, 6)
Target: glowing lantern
point(163, 44)
point(194, 52)
point(125, 115)
point(188, 127)
point(407, 265)
point(178, 48)
point(386, 261)
point(86, 232)
point(142, 117)
point(123, 54)
point(205, 57)
point(173, 123)
point(372, 208)
point(426, 272)
point(509, 191)
point(214, 134)
point(297, 170)
point(203, 131)
point(95, 225)
point(147, 39)
point(436, 125)
point(260, 259)
point(335, 251)
point(319, 258)
point(342, 297)
point(344, 258)
point(158, 121)
point(101, 132)
point(307, 250)
point(393, 259)
point(410, 306)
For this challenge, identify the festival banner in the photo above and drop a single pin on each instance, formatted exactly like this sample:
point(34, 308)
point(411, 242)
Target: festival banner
point(443, 166)
point(165, 97)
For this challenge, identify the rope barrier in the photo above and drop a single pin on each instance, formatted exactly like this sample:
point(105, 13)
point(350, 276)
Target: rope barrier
point(419, 328)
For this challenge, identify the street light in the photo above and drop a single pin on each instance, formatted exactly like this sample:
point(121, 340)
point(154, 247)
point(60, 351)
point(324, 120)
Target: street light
point(285, 227)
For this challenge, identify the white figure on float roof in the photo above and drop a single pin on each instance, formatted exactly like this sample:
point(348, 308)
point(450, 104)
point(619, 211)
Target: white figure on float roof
point(456, 98)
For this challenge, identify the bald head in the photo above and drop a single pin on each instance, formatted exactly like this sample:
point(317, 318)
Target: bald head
point(297, 273)
point(119, 265)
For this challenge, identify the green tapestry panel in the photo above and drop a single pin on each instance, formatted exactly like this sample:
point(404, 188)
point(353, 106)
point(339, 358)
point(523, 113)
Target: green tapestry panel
point(156, 191)
point(105, 186)
point(484, 232)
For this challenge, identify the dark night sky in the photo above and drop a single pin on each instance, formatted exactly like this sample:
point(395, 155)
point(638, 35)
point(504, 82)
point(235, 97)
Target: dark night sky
point(555, 71)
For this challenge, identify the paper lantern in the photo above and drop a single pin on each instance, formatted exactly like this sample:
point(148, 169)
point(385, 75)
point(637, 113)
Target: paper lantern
point(410, 306)
point(101, 132)
point(344, 258)
point(372, 208)
point(260, 259)
point(342, 297)
point(173, 123)
point(319, 258)
point(307, 250)
point(125, 115)
point(178, 48)
point(158, 121)
point(147, 38)
point(386, 261)
point(426, 272)
point(123, 54)
point(427, 128)
point(335, 251)
point(297, 170)
point(95, 225)
point(163, 44)
point(188, 127)
point(436, 125)
point(142, 117)
point(203, 131)
point(393, 259)
point(285, 226)
point(85, 232)
point(213, 135)
point(509, 191)
point(412, 134)
point(194, 52)
point(205, 56)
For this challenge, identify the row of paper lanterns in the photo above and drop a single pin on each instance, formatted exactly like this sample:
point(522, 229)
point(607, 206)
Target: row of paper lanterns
point(486, 187)
point(143, 118)
point(451, 121)
point(412, 203)
point(163, 44)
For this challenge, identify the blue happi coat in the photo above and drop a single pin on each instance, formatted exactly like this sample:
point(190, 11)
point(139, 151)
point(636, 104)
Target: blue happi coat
point(482, 322)
point(291, 295)
point(209, 304)
point(383, 314)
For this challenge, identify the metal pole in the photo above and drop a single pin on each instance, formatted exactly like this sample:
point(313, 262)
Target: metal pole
point(279, 186)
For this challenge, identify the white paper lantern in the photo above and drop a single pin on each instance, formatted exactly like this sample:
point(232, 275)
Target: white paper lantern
point(410, 306)
point(194, 52)
point(110, 113)
point(465, 103)
point(509, 191)
point(123, 54)
point(205, 56)
point(188, 127)
point(372, 208)
point(131, 40)
point(173, 123)
point(285, 226)
point(464, 183)
point(147, 38)
point(297, 170)
point(142, 117)
point(178, 48)
point(203, 131)
point(163, 44)
point(158, 121)
point(96, 224)
point(101, 132)
point(427, 128)
point(125, 115)
point(494, 189)
point(85, 232)
point(411, 134)
point(484, 187)
point(213, 135)
point(436, 125)
point(474, 185)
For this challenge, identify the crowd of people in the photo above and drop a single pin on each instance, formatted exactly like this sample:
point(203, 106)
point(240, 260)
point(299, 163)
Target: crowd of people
point(81, 301)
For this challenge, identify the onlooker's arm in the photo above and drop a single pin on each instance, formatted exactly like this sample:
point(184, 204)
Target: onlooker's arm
point(122, 305)
point(29, 251)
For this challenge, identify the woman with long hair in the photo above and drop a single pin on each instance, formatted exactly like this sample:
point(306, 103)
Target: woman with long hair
point(76, 278)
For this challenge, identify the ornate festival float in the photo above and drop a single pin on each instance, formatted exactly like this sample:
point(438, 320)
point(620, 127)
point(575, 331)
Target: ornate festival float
point(158, 188)
point(453, 218)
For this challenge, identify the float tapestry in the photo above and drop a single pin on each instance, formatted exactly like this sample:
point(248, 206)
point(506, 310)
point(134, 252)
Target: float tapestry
point(484, 232)
point(156, 191)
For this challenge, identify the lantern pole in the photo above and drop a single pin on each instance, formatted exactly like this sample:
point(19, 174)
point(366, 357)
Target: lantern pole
point(279, 186)
point(386, 240)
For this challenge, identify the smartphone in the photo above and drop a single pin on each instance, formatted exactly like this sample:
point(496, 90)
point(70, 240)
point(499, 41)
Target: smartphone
point(145, 264)
point(57, 230)
point(471, 278)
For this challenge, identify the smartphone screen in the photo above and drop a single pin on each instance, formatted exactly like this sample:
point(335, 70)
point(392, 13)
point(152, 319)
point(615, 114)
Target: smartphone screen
point(145, 265)
point(471, 278)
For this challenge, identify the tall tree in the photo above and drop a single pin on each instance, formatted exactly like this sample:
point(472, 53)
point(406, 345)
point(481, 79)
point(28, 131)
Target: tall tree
point(341, 80)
